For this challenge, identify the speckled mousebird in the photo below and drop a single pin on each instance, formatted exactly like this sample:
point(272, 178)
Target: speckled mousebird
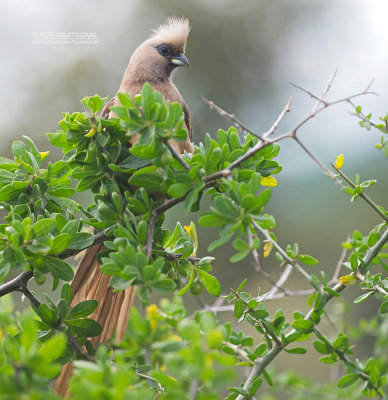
point(153, 61)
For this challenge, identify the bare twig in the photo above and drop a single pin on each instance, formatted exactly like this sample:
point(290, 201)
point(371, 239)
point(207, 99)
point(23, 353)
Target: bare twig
point(281, 281)
point(325, 92)
point(321, 166)
point(275, 126)
point(232, 117)
point(337, 270)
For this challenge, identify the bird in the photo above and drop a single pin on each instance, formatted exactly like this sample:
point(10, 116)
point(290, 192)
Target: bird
point(153, 61)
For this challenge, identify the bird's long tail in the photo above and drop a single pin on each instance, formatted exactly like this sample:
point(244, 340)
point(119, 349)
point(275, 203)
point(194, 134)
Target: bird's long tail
point(112, 312)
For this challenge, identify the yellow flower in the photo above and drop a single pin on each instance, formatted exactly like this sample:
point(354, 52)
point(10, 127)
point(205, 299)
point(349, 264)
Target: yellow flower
point(267, 248)
point(153, 313)
point(339, 162)
point(348, 280)
point(268, 181)
point(44, 154)
point(192, 232)
point(91, 133)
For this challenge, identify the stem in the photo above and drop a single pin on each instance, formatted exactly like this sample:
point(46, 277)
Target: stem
point(294, 264)
point(177, 156)
point(362, 195)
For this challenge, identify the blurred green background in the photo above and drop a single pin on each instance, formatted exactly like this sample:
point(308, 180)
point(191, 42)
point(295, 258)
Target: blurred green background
point(242, 54)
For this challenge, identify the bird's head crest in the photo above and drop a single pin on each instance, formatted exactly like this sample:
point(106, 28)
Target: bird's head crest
point(174, 32)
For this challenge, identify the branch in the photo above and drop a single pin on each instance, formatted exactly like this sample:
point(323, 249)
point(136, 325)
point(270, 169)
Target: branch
point(294, 264)
point(321, 166)
point(19, 284)
point(362, 195)
point(326, 91)
point(154, 216)
point(232, 117)
point(78, 348)
point(260, 365)
point(275, 126)
point(177, 156)
point(341, 259)
point(345, 359)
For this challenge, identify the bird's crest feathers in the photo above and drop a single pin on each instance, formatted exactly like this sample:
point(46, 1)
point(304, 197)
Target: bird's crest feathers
point(173, 31)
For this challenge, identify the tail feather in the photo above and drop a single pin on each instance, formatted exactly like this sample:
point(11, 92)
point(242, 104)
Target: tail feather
point(113, 309)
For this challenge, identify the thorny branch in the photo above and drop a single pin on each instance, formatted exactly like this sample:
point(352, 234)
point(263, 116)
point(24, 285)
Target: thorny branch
point(261, 364)
point(362, 195)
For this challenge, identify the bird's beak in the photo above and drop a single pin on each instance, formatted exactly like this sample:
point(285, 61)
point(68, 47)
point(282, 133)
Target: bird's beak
point(180, 60)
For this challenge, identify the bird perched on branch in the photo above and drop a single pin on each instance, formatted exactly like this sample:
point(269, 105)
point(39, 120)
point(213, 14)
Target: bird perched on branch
point(153, 62)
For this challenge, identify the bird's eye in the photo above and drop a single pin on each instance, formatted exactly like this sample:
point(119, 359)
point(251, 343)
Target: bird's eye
point(164, 50)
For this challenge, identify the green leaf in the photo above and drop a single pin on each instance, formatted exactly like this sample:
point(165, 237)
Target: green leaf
point(347, 380)
point(296, 350)
point(306, 259)
point(85, 327)
point(71, 227)
point(384, 307)
point(82, 309)
point(239, 308)
point(239, 256)
point(43, 226)
point(81, 241)
point(263, 198)
point(189, 283)
point(210, 282)
point(210, 219)
point(47, 315)
point(142, 230)
point(164, 285)
point(242, 285)
point(60, 243)
point(151, 181)
point(321, 347)
point(66, 293)
point(267, 378)
point(63, 308)
point(179, 189)
point(189, 330)
point(219, 242)
point(58, 268)
point(255, 385)
point(303, 325)
point(362, 297)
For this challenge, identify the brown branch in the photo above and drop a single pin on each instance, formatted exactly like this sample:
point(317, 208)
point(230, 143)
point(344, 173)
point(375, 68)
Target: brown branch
point(315, 159)
point(275, 126)
point(78, 348)
point(325, 92)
